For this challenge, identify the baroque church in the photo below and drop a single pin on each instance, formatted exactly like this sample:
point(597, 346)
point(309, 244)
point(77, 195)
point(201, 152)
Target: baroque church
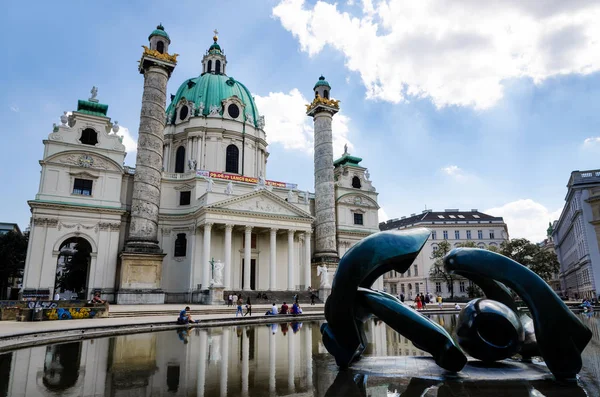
point(198, 212)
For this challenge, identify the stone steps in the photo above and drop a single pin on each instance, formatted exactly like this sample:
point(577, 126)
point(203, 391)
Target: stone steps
point(224, 310)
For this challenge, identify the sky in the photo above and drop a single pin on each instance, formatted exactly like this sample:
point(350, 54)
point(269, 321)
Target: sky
point(450, 104)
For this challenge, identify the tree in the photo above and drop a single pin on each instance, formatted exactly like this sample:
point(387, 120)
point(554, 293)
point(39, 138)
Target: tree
point(438, 272)
point(542, 262)
point(13, 250)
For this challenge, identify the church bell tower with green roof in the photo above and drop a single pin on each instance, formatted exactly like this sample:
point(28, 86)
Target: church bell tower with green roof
point(141, 260)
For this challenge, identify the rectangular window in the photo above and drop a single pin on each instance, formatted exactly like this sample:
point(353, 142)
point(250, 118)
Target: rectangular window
point(402, 288)
point(416, 269)
point(457, 234)
point(417, 288)
point(480, 234)
point(491, 234)
point(358, 219)
point(468, 234)
point(450, 287)
point(445, 234)
point(438, 288)
point(83, 187)
point(433, 235)
point(408, 272)
point(180, 245)
point(184, 198)
point(461, 286)
point(393, 289)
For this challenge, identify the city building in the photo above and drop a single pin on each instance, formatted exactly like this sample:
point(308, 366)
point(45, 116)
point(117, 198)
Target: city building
point(6, 227)
point(452, 225)
point(197, 210)
point(576, 236)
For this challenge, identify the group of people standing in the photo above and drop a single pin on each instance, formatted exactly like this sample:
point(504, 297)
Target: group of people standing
point(422, 300)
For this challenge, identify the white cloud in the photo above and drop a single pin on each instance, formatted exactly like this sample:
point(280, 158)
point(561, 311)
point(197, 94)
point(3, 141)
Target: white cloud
point(294, 129)
point(130, 143)
point(383, 216)
point(592, 141)
point(457, 173)
point(526, 218)
point(455, 53)
point(14, 109)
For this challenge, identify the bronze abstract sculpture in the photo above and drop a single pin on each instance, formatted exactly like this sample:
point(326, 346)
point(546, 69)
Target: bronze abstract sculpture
point(499, 332)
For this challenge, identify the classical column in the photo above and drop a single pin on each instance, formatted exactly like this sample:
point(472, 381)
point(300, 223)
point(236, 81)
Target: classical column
point(273, 260)
point(206, 276)
point(290, 285)
point(193, 257)
point(307, 350)
point(322, 110)
point(141, 260)
point(224, 361)
point(247, 257)
point(227, 256)
point(307, 274)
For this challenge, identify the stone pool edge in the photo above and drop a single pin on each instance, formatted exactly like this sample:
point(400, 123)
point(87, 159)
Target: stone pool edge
point(30, 339)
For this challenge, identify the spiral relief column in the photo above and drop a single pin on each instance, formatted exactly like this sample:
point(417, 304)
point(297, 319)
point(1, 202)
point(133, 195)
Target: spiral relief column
point(141, 260)
point(322, 110)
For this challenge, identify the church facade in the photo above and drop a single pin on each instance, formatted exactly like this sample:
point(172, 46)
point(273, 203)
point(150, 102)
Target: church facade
point(198, 209)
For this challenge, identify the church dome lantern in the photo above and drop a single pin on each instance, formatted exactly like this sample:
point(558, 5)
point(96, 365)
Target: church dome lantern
point(159, 40)
point(322, 88)
point(214, 61)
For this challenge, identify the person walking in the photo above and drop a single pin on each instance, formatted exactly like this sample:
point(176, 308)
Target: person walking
point(402, 297)
point(423, 301)
point(230, 300)
point(239, 307)
point(248, 307)
point(312, 298)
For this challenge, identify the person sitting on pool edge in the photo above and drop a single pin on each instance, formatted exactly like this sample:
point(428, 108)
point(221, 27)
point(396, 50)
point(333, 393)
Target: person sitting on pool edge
point(272, 311)
point(185, 318)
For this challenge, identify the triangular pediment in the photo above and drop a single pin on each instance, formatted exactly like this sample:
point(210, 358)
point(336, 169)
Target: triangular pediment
point(262, 202)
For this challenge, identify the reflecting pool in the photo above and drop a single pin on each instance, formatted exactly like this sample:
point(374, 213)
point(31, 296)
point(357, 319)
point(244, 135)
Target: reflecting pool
point(285, 359)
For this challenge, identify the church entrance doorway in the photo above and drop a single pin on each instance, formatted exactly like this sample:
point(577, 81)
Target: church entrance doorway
point(72, 269)
point(252, 274)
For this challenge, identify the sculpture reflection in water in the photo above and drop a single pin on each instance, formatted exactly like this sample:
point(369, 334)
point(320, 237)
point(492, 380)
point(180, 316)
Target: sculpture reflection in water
point(348, 384)
point(488, 329)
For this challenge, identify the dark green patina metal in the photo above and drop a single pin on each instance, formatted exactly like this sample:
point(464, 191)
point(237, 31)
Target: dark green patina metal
point(561, 336)
point(352, 302)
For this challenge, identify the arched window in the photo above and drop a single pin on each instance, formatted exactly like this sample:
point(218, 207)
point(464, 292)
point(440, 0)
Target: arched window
point(232, 159)
point(326, 94)
point(89, 137)
point(356, 182)
point(160, 47)
point(209, 66)
point(180, 160)
point(218, 67)
point(180, 245)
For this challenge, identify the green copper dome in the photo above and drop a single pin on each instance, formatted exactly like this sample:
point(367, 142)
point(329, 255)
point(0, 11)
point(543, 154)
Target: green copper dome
point(211, 89)
point(322, 82)
point(160, 31)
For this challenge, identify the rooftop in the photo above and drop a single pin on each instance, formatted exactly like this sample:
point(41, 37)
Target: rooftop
point(446, 216)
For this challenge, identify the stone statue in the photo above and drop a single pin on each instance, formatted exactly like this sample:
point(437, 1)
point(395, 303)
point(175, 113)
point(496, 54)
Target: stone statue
point(367, 175)
point(229, 189)
point(209, 184)
point(94, 92)
point(217, 273)
point(201, 109)
point(192, 108)
point(261, 122)
point(192, 164)
point(290, 196)
point(261, 184)
point(64, 119)
point(54, 127)
point(345, 148)
point(214, 110)
point(115, 127)
point(249, 117)
point(324, 273)
point(306, 197)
